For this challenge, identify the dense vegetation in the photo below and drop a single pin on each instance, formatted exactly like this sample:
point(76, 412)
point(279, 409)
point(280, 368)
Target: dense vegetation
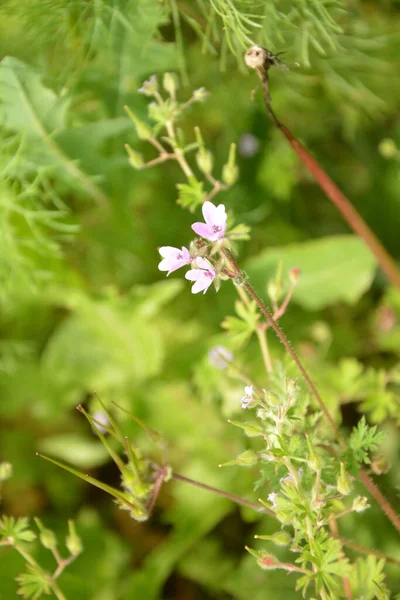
point(88, 319)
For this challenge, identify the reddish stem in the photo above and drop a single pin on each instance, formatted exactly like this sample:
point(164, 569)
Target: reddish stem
point(353, 218)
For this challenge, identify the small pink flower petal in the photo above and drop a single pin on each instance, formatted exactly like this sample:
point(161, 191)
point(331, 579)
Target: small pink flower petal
point(203, 263)
point(204, 231)
point(209, 211)
point(173, 258)
point(215, 222)
point(203, 276)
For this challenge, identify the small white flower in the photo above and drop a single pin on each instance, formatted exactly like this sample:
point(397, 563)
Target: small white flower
point(272, 498)
point(248, 397)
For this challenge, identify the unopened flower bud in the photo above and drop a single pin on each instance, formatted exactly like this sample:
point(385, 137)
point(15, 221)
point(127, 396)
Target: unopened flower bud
point(143, 130)
point(320, 332)
point(294, 275)
point(135, 158)
point(5, 471)
point(274, 291)
point(230, 174)
point(388, 148)
point(170, 83)
point(230, 171)
point(268, 562)
point(343, 484)
point(280, 538)
point(46, 536)
point(360, 503)
point(73, 541)
point(205, 161)
point(248, 458)
point(250, 429)
point(380, 465)
point(265, 560)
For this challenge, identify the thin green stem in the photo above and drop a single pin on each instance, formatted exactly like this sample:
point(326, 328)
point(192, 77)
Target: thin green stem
point(261, 335)
point(29, 559)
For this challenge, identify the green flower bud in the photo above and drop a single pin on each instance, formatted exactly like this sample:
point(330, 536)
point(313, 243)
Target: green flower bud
point(135, 158)
point(73, 541)
point(144, 132)
point(250, 429)
point(230, 171)
point(248, 458)
point(205, 161)
point(5, 471)
point(274, 290)
point(388, 148)
point(314, 460)
point(280, 538)
point(360, 503)
point(46, 536)
point(230, 174)
point(343, 483)
point(170, 83)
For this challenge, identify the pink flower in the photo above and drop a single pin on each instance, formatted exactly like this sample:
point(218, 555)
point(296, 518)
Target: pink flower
point(174, 258)
point(215, 222)
point(203, 276)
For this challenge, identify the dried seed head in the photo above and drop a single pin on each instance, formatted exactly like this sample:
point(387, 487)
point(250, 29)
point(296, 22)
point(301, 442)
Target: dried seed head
point(256, 57)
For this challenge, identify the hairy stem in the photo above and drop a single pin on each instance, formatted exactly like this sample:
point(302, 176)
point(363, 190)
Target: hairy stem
point(228, 495)
point(250, 290)
point(368, 483)
point(330, 189)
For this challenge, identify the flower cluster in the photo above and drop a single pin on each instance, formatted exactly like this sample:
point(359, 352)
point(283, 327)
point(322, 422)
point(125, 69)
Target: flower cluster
point(202, 273)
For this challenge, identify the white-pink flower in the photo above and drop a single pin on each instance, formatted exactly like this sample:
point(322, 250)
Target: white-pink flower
point(173, 258)
point(203, 276)
point(248, 397)
point(215, 222)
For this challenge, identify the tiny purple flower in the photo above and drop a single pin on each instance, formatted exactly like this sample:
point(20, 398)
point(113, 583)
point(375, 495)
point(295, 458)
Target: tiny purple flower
point(173, 258)
point(248, 397)
point(215, 222)
point(289, 477)
point(272, 498)
point(150, 86)
point(220, 357)
point(203, 276)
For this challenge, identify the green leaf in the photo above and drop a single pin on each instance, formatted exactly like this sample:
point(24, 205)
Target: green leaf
point(363, 440)
point(191, 195)
point(17, 529)
point(333, 269)
point(26, 104)
point(33, 583)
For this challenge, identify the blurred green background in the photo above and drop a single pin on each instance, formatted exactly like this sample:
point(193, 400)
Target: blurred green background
point(84, 308)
